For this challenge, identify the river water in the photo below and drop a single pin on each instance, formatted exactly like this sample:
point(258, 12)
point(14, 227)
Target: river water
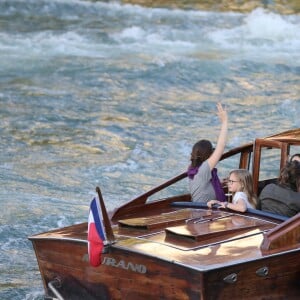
point(115, 95)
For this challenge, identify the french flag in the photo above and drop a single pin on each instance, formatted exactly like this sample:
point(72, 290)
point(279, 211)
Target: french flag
point(96, 234)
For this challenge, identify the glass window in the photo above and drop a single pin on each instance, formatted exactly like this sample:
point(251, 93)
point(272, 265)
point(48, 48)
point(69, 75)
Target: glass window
point(269, 163)
point(294, 149)
point(228, 164)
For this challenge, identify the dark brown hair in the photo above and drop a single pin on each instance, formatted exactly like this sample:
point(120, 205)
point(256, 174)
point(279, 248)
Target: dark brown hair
point(290, 176)
point(296, 155)
point(201, 151)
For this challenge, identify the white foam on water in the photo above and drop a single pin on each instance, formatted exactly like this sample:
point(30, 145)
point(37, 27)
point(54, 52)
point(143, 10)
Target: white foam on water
point(165, 35)
point(262, 31)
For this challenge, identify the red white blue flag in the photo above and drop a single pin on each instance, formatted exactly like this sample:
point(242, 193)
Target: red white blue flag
point(96, 233)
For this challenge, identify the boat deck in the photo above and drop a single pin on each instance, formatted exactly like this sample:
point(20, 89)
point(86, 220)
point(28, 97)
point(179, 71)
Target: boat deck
point(201, 239)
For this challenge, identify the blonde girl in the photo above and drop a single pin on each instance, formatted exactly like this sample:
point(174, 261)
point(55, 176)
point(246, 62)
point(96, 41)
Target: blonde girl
point(240, 184)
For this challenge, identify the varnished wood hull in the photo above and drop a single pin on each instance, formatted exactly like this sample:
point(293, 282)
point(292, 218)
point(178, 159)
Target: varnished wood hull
point(81, 281)
point(132, 275)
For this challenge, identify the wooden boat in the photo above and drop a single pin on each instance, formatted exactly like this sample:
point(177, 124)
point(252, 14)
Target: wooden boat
point(172, 248)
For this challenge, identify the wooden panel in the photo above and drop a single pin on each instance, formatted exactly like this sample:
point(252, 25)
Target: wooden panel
point(273, 278)
point(218, 227)
point(171, 218)
point(166, 280)
point(76, 232)
point(284, 237)
point(114, 279)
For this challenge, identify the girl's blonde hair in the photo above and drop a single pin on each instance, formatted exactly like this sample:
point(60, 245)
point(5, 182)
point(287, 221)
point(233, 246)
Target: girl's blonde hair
point(246, 180)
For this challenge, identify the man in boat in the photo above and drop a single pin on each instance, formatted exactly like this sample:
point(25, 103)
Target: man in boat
point(296, 156)
point(283, 198)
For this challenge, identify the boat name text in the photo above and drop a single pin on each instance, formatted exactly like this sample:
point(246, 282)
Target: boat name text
point(122, 264)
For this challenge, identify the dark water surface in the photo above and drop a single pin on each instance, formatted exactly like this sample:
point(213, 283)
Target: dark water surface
point(112, 94)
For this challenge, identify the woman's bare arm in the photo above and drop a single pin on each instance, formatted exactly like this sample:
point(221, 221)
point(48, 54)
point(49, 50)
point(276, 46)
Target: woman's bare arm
point(216, 155)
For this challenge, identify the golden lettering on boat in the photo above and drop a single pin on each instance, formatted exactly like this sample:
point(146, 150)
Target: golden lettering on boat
point(109, 261)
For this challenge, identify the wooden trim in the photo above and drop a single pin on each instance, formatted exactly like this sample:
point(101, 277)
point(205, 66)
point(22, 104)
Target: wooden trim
point(140, 200)
point(285, 236)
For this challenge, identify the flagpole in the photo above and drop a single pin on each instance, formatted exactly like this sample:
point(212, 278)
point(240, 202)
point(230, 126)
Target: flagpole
point(107, 224)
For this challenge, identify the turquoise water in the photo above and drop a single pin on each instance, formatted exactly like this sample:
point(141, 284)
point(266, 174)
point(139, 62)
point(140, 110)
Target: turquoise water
point(99, 93)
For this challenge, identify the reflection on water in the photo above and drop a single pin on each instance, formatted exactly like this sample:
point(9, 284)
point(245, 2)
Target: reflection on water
point(281, 6)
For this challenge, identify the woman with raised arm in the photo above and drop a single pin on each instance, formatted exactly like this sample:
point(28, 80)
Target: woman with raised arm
point(204, 182)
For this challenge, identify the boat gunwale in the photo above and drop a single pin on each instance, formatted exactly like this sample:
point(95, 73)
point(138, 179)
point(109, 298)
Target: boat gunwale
point(201, 267)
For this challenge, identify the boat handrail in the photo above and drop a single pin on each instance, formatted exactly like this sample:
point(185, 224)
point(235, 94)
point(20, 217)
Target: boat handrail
point(189, 204)
point(267, 214)
point(262, 213)
point(142, 199)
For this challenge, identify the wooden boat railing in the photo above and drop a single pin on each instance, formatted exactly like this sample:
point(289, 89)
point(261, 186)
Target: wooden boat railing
point(141, 200)
point(283, 237)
